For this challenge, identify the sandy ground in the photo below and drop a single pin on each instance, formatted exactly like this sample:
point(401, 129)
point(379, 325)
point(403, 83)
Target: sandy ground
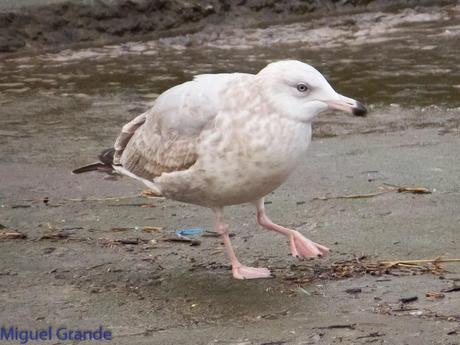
point(84, 259)
point(172, 293)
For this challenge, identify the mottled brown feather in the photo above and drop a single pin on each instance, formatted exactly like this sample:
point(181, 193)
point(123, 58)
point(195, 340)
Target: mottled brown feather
point(149, 154)
point(165, 138)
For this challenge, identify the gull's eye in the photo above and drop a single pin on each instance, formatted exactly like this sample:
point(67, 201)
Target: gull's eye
point(302, 87)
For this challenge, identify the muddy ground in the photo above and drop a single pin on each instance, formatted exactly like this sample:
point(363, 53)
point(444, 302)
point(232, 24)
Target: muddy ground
point(51, 24)
point(157, 292)
point(83, 258)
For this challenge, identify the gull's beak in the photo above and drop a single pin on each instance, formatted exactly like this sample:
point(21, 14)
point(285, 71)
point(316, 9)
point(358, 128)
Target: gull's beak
point(348, 105)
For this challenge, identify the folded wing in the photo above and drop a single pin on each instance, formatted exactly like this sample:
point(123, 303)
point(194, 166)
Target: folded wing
point(165, 138)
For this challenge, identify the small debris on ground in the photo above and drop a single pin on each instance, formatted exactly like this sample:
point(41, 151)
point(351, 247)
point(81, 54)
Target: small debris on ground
point(408, 299)
point(372, 335)
point(348, 326)
point(183, 239)
point(114, 241)
point(120, 229)
point(452, 289)
point(54, 234)
point(189, 232)
point(432, 295)
point(304, 273)
point(274, 316)
point(48, 250)
point(435, 264)
point(209, 233)
point(403, 309)
point(387, 188)
point(151, 229)
point(147, 205)
point(301, 289)
point(98, 265)
point(11, 235)
point(132, 204)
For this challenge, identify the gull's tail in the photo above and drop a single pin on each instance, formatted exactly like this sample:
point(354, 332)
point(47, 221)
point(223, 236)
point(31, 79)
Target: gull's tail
point(105, 164)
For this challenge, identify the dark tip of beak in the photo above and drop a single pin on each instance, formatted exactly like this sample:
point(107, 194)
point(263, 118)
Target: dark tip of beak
point(359, 110)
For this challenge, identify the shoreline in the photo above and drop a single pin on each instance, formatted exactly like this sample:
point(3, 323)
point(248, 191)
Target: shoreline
point(64, 24)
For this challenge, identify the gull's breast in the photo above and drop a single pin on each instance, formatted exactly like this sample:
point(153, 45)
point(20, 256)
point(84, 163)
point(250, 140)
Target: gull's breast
point(240, 160)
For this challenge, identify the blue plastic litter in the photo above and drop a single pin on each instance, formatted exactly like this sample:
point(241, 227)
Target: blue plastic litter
point(190, 231)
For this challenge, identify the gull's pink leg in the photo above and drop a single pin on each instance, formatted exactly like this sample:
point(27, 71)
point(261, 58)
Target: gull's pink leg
point(239, 271)
point(300, 246)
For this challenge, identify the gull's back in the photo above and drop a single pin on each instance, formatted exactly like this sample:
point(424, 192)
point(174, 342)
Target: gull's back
point(167, 139)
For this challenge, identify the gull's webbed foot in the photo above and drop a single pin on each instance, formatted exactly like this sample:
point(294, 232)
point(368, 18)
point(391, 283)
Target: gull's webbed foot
point(245, 272)
point(302, 247)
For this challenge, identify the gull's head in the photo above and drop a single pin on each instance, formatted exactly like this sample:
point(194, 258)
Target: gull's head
point(299, 91)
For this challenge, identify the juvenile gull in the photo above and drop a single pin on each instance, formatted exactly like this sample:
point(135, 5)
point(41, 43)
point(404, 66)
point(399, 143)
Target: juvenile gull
point(227, 139)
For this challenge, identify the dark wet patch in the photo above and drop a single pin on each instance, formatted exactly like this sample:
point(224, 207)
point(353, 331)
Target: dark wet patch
point(70, 22)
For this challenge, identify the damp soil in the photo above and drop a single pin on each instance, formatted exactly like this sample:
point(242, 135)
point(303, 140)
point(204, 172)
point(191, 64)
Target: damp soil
point(92, 250)
point(50, 24)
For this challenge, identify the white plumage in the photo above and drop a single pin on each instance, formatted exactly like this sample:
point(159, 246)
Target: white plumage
point(225, 139)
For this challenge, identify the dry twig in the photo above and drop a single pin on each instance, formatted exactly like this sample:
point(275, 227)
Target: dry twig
point(360, 266)
point(352, 196)
point(11, 235)
point(408, 263)
point(386, 189)
point(152, 229)
point(54, 235)
point(182, 239)
point(349, 326)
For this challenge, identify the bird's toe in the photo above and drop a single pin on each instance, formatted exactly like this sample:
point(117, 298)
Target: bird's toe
point(305, 248)
point(245, 272)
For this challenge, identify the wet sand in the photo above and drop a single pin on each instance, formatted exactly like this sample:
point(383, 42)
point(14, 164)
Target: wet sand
point(168, 293)
point(86, 261)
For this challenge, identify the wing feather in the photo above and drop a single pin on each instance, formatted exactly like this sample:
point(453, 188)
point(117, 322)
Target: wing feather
point(165, 138)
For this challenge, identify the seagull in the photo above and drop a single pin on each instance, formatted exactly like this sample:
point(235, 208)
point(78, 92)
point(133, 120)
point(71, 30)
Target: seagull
point(228, 139)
